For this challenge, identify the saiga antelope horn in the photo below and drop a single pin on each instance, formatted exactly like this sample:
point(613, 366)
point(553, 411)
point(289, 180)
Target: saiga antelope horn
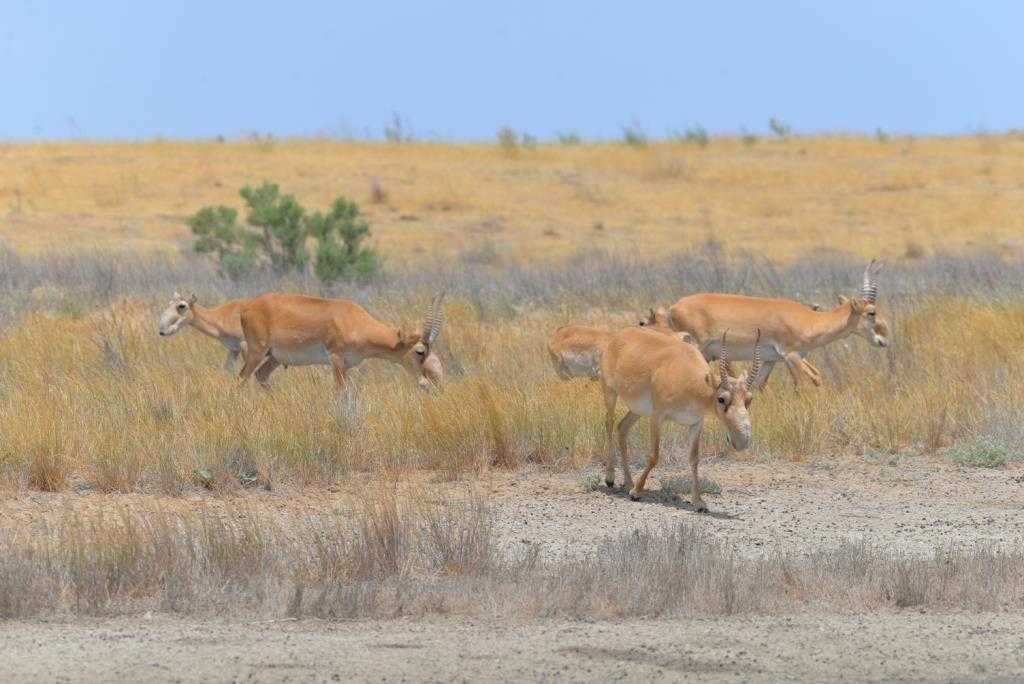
point(434, 319)
point(755, 367)
point(869, 285)
point(724, 369)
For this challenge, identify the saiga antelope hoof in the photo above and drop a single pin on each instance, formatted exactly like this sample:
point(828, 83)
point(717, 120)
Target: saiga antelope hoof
point(610, 484)
point(633, 496)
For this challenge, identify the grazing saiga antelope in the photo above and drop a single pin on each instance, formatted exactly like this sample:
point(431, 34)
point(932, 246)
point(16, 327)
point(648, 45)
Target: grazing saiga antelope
point(790, 329)
point(575, 350)
point(655, 375)
point(221, 323)
point(297, 330)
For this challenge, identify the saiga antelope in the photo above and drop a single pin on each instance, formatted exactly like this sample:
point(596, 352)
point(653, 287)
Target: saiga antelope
point(297, 330)
point(221, 323)
point(790, 329)
point(658, 376)
point(575, 350)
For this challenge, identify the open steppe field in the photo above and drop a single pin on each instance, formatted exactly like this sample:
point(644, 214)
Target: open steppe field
point(782, 199)
point(157, 513)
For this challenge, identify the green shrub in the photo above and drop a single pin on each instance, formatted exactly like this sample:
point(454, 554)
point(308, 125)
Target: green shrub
point(981, 453)
point(508, 139)
point(779, 128)
point(276, 232)
point(697, 135)
point(346, 259)
point(634, 135)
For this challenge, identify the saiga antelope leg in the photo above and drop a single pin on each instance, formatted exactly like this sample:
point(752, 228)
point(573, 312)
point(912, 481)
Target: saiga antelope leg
point(338, 366)
point(264, 371)
point(609, 449)
point(695, 499)
point(798, 364)
point(255, 354)
point(229, 361)
point(652, 459)
point(624, 427)
point(762, 377)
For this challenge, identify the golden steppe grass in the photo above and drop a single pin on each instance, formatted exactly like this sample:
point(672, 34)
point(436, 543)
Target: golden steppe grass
point(778, 198)
point(99, 401)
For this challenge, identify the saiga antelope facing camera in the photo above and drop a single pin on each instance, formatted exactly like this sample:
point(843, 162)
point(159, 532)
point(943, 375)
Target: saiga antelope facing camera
point(657, 375)
point(790, 330)
point(221, 323)
point(297, 330)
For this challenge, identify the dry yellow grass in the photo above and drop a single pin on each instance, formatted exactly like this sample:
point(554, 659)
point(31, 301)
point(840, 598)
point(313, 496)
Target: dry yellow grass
point(99, 401)
point(779, 198)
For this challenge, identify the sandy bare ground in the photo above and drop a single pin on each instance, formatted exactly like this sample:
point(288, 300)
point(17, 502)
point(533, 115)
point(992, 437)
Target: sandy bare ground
point(913, 504)
point(909, 646)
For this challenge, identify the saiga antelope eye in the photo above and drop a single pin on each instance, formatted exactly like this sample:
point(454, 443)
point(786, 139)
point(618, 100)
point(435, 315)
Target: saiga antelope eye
point(722, 401)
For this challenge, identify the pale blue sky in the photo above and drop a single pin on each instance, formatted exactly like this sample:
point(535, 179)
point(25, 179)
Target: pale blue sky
point(461, 69)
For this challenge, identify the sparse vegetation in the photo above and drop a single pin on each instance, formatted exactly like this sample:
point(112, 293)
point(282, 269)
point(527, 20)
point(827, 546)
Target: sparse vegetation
point(396, 131)
point(779, 128)
point(389, 558)
point(508, 139)
point(276, 234)
point(982, 452)
point(634, 135)
point(697, 135)
point(569, 139)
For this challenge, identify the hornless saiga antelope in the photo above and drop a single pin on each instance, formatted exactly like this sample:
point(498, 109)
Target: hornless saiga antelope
point(575, 350)
point(658, 376)
point(790, 329)
point(297, 330)
point(221, 323)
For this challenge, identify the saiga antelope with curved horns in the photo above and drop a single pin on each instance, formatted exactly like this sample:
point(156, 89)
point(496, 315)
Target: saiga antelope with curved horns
point(221, 323)
point(297, 330)
point(658, 376)
point(790, 329)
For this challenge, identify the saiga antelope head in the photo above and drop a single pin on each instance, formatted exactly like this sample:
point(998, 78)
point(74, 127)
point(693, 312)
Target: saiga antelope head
point(734, 394)
point(870, 325)
point(418, 351)
point(178, 313)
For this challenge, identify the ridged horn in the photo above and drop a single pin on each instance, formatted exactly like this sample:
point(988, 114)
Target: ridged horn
point(869, 285)
point(724, 369)
point(434, 319)
point(755, 367)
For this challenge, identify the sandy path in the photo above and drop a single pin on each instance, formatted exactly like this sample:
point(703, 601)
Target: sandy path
point(914, 506)
point(907, 646)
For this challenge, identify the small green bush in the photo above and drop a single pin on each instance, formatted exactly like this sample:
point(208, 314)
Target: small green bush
point(981, 453)
point(697, 135)
point(276, 232)
point(346, 259)
point(508, 139)
point(779, 128)
point(634, 135)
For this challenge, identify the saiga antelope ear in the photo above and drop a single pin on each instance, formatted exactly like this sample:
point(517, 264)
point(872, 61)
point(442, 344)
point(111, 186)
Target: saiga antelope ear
point(192, 299)
point(843, 300)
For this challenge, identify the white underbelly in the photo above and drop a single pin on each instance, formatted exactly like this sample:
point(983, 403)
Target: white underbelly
point(313, 355)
